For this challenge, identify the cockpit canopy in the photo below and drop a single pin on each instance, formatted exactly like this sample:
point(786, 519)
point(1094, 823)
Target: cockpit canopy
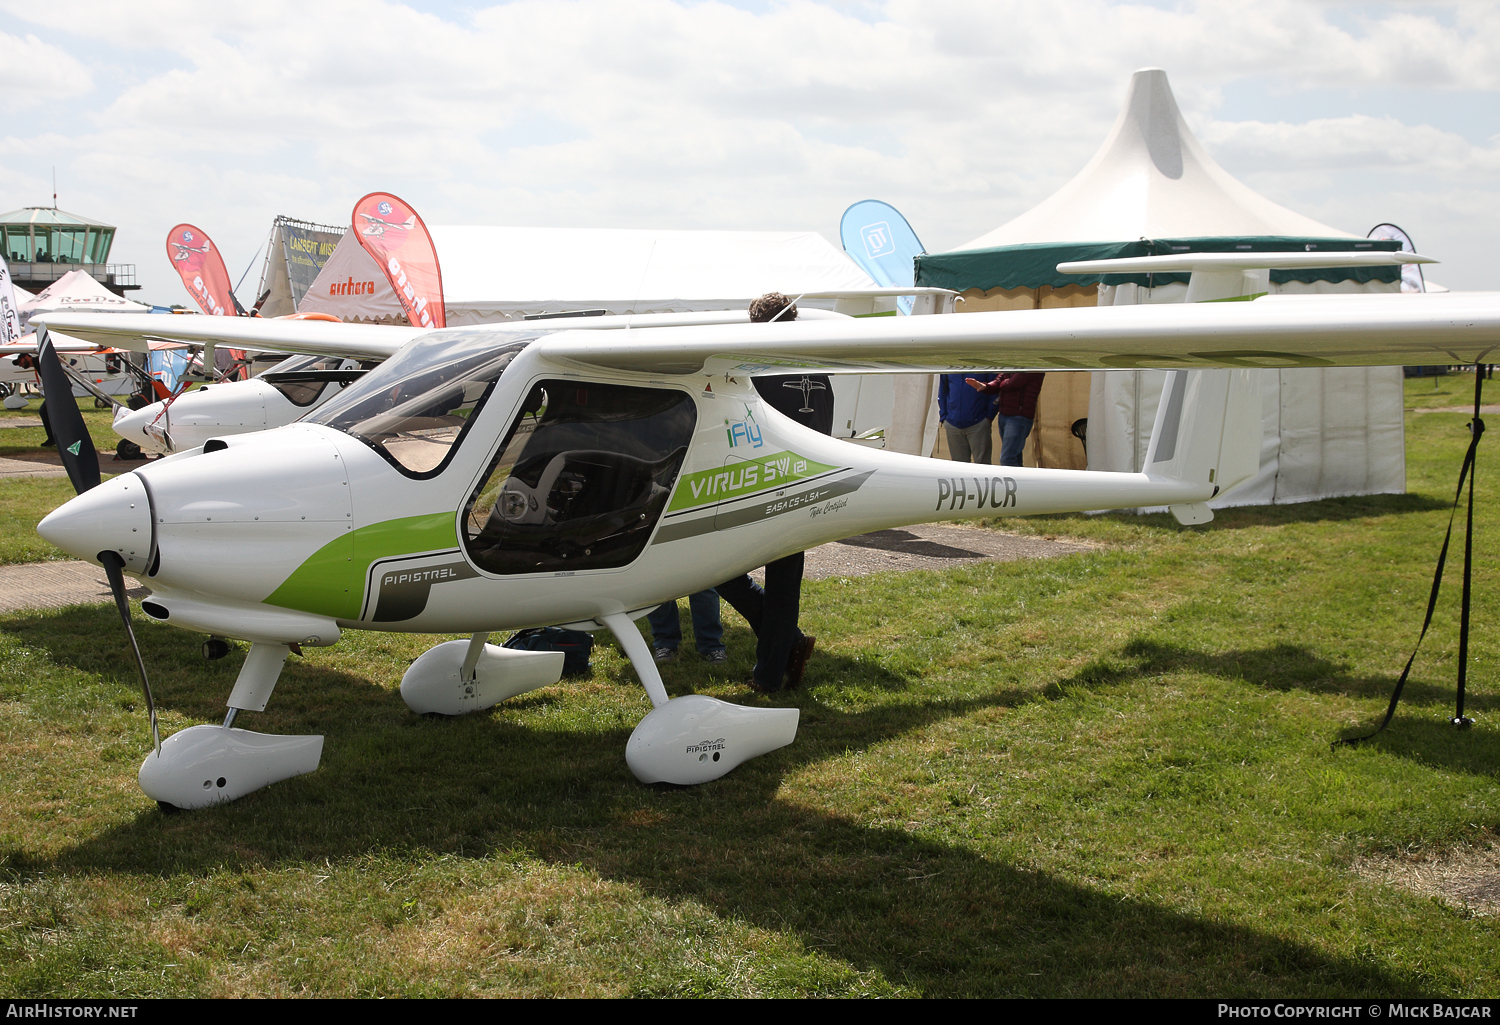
point(415, 408)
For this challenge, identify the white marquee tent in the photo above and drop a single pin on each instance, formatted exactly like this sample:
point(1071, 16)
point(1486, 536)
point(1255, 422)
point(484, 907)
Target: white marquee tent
point(1326, 432)
point(494, 274)
point(78, 292)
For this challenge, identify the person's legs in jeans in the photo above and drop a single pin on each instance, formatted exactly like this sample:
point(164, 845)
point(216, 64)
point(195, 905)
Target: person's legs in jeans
point(708, 630)
point(1013, 433)
point(666, 628)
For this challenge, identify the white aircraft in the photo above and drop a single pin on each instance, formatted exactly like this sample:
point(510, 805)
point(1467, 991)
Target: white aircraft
point(101, 371)
point(279, 396)
point(495, 478)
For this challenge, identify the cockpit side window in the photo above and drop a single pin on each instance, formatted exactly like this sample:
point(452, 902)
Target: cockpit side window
point(581, 480)
point(302, 379)
point(416, 407)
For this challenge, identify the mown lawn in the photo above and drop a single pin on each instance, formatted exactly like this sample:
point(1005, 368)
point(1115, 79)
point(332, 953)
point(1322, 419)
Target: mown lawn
point(25, 501)
point(1101, 775)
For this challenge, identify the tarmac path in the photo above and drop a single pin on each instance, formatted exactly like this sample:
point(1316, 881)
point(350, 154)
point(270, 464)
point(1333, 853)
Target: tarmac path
point(45, 462)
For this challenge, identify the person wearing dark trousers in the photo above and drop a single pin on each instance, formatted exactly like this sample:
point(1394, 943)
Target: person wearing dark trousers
point(49, 441)
point(1018, 394)
point(781, 648)
point(966, 416)
point(708, 630)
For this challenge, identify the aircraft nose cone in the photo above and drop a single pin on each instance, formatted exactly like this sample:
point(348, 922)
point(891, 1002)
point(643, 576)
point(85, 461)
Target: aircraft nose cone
point(131, 424)
point(115, 516)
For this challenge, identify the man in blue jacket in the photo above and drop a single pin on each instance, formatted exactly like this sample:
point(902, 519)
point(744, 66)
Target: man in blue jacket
point(966, 416)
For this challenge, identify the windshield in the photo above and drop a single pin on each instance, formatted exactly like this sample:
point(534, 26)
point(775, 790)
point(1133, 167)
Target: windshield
point(302, 379)
point(294, 363)
point(416, 406)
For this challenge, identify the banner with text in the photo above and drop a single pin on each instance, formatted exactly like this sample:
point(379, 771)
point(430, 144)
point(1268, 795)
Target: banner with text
point(202, 270)
point(10, 320)
point(305, 250)
point(395, 236)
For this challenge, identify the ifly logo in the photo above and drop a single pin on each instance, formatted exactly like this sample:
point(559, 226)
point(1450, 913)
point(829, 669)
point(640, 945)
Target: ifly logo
point(384, 208)
point(878, 241)
point(746, 430)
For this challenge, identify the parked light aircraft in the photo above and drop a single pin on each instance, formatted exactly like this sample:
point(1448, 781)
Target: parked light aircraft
point(494, 478)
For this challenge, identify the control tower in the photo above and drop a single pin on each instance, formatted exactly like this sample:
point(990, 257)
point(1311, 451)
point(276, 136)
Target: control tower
point(42, 243)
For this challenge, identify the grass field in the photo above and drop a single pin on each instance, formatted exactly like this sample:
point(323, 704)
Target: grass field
point(27, 501)
point(1107, 774)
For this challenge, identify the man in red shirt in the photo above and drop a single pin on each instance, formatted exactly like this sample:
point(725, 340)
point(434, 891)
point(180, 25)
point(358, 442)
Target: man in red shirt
point(1018, 392)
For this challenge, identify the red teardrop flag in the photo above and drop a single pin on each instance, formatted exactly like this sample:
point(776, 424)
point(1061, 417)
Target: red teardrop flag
point(202, 269)
point(395, 236)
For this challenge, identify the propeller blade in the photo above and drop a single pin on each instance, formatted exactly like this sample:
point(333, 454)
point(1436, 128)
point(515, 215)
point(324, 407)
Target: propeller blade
point(74, 445)
point(113, 565)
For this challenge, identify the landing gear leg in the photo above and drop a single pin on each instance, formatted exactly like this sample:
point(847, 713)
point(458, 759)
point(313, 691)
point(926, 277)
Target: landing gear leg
point(206, 765)
point(694, 738)
point(624, 629)
point(458, 677)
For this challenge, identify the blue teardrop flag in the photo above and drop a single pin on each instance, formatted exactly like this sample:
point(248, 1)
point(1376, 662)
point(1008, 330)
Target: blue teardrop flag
point(877, 237)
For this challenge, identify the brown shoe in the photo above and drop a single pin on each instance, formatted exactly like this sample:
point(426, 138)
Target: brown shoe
point(796, 664)
point(756, 686)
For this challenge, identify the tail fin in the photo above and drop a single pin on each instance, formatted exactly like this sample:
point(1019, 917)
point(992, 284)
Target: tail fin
point(1208, 432)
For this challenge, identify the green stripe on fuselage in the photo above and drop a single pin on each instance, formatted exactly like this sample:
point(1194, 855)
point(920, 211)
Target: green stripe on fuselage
point(332, 581)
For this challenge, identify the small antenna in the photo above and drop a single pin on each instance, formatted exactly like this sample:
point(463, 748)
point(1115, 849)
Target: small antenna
point(54, 186)
point(642, 286)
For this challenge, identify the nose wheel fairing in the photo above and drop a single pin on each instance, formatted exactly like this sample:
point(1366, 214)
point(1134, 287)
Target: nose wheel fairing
point(206, 765)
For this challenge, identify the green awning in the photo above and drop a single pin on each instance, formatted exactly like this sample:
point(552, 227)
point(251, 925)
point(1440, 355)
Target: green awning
point(1034, 265)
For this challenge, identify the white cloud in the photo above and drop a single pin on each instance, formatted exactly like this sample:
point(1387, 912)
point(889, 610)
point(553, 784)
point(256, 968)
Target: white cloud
point(1358, 143)
point(655, 113)
point(34, 72)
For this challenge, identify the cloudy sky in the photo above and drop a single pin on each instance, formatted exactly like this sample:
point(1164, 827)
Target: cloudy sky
point(742, 115)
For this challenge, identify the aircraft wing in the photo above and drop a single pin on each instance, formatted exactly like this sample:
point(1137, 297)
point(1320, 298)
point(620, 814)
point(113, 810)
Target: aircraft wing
point(1273, 331)
point(315, 337)
point(322, 338)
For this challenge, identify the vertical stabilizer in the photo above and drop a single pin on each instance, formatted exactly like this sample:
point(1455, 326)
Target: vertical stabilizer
point(1207, 431)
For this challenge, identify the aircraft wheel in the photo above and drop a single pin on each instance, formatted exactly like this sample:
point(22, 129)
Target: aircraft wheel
point(100, 403)
point(168, 809)
point(215, 648)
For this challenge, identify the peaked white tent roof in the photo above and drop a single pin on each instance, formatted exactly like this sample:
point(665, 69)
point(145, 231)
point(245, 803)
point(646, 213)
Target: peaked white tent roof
point(1151, 179)
point(77, 291)
point(492, 273)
